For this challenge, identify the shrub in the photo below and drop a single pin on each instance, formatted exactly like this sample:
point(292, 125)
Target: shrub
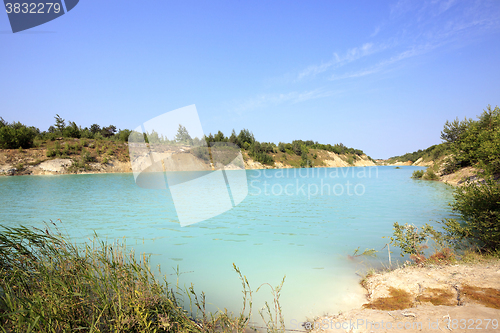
point(15, 135)
point(479, 206)
point(263, 158)
point(72, 130)
point(430, 175)
point(202, 153)
point(417, 174)
point(409, 239)
point(124, 134)
point(450, 165)
point(305, 162)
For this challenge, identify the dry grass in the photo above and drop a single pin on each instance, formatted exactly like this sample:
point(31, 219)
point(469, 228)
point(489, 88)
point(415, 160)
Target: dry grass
point(438, 296)
point(398, 300)
point(486, 296)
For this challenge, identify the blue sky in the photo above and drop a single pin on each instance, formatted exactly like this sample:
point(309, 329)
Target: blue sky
point(381, 76)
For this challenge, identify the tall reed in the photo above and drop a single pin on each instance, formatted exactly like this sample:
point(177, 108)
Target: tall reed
point(48, 284)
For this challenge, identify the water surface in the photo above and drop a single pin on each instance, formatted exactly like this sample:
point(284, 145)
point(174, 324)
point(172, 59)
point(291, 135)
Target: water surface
point(297, 231)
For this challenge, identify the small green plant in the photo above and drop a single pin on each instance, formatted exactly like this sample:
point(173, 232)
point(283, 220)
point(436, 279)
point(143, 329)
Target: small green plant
point(51, 153)
point(272, 315)
point(409, 239)
point(365, 253)
point(20, 149)
point(66, 150)
point(105, 160)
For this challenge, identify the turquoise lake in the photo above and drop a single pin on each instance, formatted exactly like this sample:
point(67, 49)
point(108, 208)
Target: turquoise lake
point(300, 233)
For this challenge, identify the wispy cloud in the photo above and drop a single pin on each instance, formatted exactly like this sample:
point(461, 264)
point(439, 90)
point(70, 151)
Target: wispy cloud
point(384, 64)
point(428, 32)
point(411, 29)
point(265, 100)
point(351, 55)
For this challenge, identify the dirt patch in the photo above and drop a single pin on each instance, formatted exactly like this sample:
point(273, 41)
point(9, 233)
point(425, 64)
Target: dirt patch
point(459, 176)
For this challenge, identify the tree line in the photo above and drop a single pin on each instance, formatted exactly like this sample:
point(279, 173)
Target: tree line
point(15, 135)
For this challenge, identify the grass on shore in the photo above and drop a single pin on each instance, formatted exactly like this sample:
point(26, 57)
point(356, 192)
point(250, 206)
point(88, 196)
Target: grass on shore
point(50, 285)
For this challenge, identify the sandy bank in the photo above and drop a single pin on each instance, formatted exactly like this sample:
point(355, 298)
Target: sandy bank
point(440, 299)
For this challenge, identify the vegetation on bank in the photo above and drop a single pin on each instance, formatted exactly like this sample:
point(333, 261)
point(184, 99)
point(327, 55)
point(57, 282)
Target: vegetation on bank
point(469, 143)
point(430, 154)
point(79, 143)
point(48, 284)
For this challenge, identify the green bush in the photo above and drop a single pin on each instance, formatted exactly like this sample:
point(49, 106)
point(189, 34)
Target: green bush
point(479, 143)
point(15, 135)
point(262, 158)
point(72, 130)
point(51, 152)
point(409, 238)
point(479, 206)
point(417, 174)
point(430, 175)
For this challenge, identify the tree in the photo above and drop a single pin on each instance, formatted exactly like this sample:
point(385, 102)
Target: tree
point(245, 136)
point(95, 128)
point(234, 138)
point(219, 137)
point(60, 124)
point(124, 134)
point(72, 130)
point(183, 136)
point(108, 131)
point(479, 143)
point(453, 131)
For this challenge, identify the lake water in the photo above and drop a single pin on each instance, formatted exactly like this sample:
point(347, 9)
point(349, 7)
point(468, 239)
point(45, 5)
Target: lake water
point(302, 223)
